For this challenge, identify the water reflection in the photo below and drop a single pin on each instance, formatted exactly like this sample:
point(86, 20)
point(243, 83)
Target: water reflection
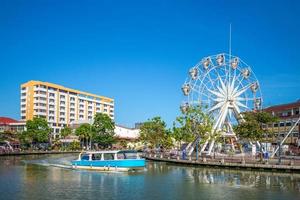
point(229, 177)
point(32, 177)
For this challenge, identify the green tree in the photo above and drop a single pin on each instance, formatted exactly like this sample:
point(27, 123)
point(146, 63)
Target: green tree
point(103, 128)
point(73, 146)
point(253, 127)
point(65, 132)
point(167, 141)
point(84, 131)
point(37, 131)
point(153, 132)
point(193, 122)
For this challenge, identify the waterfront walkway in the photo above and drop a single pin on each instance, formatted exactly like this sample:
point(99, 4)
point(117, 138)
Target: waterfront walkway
point(248, 163)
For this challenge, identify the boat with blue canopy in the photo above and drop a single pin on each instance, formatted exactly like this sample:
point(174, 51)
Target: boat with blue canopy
point(118, 160)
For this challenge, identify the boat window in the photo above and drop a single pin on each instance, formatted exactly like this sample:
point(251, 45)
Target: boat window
point(96, 156)
point(108, 156)
point(121, 156)
point(130, 155)
point(85, 157)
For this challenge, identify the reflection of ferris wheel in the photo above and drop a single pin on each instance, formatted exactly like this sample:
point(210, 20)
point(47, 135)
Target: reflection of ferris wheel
point(225, 87)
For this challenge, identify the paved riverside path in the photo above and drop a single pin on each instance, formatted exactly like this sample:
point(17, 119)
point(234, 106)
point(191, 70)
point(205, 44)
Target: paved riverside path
point(237, 163)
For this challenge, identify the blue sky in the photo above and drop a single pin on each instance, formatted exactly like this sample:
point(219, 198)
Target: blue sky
point(139, 52)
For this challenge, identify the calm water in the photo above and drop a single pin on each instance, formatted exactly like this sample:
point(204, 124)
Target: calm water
point(31, 177)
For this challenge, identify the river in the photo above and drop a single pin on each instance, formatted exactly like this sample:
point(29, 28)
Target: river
point(34, 177)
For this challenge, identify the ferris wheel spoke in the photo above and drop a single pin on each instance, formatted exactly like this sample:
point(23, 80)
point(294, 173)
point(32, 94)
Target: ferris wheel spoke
point(244, 99)
point(241, 91)
point(241, 104)
point(216, 93)
point(218, 105)
point(237, 111)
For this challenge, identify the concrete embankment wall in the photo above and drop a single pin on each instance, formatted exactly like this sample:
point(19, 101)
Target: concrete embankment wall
point(247, 166)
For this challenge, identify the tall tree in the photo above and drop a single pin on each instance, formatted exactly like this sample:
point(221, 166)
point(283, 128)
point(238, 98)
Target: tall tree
point(253, 128)
point(104, 128)
point(37, 130)
point(65, 132)
point(193, 122)
point(153, 131)
point(84, 131)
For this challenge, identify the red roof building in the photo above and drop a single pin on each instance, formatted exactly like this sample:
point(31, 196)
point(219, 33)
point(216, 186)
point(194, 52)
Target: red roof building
point(288, 115)
point(9, 124)
point(6, 120)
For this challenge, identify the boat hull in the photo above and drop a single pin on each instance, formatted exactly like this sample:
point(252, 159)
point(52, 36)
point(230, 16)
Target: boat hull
point(110, 165)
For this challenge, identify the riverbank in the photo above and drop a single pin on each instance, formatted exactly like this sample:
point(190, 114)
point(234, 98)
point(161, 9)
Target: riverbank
point(270, 165)
point(37, 153)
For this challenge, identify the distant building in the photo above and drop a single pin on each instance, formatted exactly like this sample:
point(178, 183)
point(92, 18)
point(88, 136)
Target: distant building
point(61, 106)
point(12, 125)
point(121, 132)
point(288, 114)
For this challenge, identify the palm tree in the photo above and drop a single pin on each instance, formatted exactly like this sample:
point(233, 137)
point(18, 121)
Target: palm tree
point(84, 131)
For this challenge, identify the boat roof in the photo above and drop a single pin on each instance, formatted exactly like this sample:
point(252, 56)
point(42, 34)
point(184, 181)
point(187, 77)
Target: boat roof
point(110, 151)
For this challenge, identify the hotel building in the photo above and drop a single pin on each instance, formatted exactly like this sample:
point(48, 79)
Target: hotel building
point(60, 105)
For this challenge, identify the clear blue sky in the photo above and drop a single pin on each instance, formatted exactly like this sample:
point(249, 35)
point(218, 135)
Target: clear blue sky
point(139, 52)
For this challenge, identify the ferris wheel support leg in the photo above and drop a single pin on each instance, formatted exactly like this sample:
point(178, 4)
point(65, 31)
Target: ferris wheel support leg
point(204, 146)
point(232, 145)
point(211, 147)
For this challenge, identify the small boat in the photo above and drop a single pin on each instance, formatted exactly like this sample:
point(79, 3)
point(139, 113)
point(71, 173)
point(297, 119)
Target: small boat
point(120, 160)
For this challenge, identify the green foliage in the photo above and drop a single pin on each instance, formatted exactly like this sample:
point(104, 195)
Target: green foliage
point(8, 135)
point(73, 146)
point(104, 140)
point(103, 124)
point(167, 141)
point(252, 128)
point(85, 132)
point(153, 132)
point(192, 123)
point(65, 132)
point(37, 130)
point(103, 128)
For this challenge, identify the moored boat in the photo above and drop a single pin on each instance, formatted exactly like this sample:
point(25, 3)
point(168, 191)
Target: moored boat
point(119, 160)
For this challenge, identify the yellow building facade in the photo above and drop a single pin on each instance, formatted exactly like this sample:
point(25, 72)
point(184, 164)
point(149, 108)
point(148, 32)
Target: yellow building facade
point(60, 105)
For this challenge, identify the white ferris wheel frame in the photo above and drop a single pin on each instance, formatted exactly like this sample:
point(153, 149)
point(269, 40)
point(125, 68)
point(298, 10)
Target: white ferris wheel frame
point(226, 90)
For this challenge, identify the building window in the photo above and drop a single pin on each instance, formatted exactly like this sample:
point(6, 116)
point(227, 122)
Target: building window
point(281, 124)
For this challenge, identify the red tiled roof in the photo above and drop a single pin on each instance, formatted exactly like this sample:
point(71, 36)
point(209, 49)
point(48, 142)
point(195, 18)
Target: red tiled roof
point(6, 120)
point(282, 107)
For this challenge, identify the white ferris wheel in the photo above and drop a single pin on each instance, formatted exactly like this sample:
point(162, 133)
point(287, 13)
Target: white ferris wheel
point(225, 87)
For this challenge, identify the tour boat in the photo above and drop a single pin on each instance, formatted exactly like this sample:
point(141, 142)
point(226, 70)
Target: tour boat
point(119, 160)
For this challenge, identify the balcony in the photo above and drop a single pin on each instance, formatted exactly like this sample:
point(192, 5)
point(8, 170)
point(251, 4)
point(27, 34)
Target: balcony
point(39, 113)
point(40, 89)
